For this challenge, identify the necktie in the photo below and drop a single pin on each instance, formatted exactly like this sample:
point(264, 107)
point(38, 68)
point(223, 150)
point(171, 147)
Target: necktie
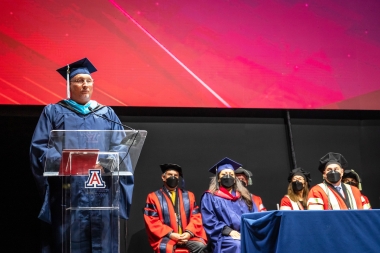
point(172, 196)
point(340, 190)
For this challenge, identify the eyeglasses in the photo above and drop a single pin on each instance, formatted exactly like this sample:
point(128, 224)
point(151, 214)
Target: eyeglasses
point(82, 81)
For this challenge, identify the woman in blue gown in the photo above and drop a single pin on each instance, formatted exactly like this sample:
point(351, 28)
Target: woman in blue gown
point(222, 206)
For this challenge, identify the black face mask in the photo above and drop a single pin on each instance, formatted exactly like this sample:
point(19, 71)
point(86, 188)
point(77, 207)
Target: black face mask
point(227, 181)
point(333, 177)
point(172, 182)
point(243, 183)
point(297, 186)
point(352, 183)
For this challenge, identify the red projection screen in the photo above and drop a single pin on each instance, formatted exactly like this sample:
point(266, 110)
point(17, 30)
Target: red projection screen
point(321, 54)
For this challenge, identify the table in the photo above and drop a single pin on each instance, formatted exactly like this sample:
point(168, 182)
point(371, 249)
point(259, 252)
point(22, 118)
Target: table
point(311, 231)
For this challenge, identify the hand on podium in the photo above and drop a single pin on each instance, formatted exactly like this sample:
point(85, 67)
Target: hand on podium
point(98, 166)
point(107, 164)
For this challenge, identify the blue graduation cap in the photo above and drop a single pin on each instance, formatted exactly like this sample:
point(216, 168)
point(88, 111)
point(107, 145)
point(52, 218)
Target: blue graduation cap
point(225, 163)
point(83, 66)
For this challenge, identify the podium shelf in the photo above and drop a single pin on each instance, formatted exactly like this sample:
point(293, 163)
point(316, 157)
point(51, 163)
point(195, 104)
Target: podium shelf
point(55, 174)
point(104, 208)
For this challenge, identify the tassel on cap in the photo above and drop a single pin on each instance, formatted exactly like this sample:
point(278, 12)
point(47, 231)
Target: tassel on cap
point(68, 81)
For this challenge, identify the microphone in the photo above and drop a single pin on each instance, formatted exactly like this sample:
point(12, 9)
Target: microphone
point(104, 117)
point(131, 139)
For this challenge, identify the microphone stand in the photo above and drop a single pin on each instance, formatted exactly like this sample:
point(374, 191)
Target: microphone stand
point(126, 140)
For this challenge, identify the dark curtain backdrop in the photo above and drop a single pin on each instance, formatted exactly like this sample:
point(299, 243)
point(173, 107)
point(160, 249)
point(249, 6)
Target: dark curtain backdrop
point(197, 139)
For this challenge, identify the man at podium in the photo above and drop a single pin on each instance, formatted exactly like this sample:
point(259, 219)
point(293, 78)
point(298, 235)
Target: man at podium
point(77, 112)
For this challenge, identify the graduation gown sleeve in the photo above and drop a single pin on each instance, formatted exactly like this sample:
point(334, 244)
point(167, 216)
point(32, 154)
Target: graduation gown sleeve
point(259, 203)
point(365, 202)
point(38, 150)
point(194, 223)
point(154, 220)
point(214, 220)
point(285, 203)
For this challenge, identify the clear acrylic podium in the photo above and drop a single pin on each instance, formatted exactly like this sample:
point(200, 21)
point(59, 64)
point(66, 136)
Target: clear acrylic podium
point(85, 170)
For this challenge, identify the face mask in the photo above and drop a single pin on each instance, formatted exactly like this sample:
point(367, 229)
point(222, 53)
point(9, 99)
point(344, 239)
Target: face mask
point(297, 186)
point(227, 181)
point(243, 183)
point(352, 183)
point(333, 177)
point(172, 182)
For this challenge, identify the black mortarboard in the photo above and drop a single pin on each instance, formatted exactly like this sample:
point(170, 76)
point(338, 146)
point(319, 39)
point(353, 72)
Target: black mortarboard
point(300, 172)
point(171, 166)
point(225, 163)
point(247, 173)
point(332, 158)
point(83, 66)
point(353, 174)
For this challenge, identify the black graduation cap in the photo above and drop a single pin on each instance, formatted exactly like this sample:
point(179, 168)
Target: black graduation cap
point(225, 163)
point(300, 172)
point(332, 158)
point(171, 166)
point(83, 66)
point(247, 173)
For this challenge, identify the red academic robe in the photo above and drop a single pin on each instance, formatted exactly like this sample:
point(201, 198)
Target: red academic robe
point(286, 201)
point(365, 201)
point(160, 219)
point(259, 203)
point(318, 196)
